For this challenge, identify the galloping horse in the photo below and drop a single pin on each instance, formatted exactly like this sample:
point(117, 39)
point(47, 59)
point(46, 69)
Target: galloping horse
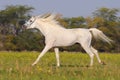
point(56, 36)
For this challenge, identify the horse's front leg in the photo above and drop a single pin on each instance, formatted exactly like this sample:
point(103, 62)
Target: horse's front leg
point(47, 47)
point(57, 56)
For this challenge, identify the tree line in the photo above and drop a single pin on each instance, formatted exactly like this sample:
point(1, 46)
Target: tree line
point(13, 35)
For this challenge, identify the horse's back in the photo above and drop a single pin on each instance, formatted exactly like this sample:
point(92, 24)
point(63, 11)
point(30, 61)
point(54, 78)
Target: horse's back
point(81, 31)
point(83, 35)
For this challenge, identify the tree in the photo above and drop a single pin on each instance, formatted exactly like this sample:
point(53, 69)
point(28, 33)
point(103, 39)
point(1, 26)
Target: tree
point(11, 16)
point(106, 13)
point(28, 40)
point(74, 22)
point(94, 22)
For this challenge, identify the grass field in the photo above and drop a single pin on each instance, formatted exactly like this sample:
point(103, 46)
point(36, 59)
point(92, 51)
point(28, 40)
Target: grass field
point(17, 66)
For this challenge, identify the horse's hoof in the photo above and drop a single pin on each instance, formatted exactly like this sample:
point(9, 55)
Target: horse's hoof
point(88, 66)
point(103, 63)
point(33, 64)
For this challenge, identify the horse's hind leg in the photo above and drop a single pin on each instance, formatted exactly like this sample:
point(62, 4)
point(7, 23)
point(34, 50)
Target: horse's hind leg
point(89, 51)
point(96, 53)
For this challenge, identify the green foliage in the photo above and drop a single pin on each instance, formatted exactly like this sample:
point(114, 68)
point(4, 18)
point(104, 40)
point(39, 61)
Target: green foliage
point(28, 40)
point(14, 13)
point(106, 13)
point(10, 18)
point(8, 45)
point(74, 22)
point(17, 66)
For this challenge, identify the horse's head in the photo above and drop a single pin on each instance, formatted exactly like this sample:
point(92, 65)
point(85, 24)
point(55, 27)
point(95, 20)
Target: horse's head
point(31, 22)
point(35, 20)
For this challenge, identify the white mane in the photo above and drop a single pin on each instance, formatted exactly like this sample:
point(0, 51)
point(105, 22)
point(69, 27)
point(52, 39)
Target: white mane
point(51, 20)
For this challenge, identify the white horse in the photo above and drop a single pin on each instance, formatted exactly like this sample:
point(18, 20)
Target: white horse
point(56, 36)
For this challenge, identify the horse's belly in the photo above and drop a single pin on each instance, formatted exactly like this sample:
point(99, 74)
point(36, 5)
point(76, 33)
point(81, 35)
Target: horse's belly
point(65, 41)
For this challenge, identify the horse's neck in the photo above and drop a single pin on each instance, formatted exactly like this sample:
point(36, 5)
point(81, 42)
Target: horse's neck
point(48, 29)
point(42, 29)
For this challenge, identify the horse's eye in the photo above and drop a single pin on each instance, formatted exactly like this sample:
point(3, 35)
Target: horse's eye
point(30, 20)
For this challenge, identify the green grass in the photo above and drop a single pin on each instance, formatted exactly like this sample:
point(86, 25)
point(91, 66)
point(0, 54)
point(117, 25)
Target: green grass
point(17, 66)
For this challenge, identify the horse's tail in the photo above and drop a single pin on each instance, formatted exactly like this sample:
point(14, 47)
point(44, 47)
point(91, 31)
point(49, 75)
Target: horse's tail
point(100, 35)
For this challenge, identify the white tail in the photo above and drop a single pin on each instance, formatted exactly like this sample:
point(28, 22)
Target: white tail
point(100, 35)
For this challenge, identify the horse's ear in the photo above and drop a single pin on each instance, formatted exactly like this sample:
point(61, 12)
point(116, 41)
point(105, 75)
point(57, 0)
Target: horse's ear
point(58, 16)
point(39, 16)
point(54, 16)
point(45, 15)
point(33, 17)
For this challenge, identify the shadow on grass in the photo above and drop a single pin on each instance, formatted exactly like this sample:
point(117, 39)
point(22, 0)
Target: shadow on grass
point(70, 65)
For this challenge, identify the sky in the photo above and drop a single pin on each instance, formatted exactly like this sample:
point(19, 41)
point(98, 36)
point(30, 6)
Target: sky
point(68, 8)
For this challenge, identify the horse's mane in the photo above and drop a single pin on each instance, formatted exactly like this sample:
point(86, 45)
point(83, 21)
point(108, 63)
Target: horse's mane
point(52, 21)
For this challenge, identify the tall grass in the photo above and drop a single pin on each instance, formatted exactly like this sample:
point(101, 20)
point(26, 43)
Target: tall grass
point(17, 66)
